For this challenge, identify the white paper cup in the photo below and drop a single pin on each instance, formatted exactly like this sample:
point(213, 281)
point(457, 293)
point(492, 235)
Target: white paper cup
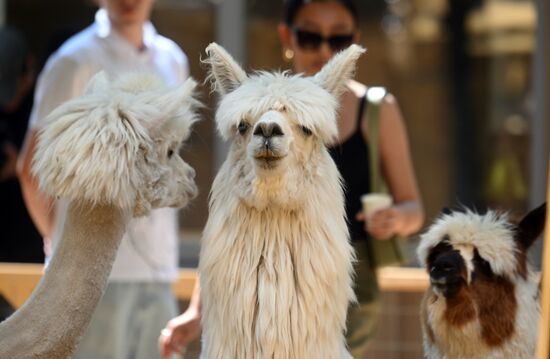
point(373, 202)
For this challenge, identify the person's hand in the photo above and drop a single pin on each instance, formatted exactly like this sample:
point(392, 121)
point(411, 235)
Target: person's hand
point(179, 332)
point(382, 224)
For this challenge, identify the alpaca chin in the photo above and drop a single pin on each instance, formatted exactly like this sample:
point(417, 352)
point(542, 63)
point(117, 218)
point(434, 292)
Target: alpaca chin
point(268, 164)
point(272, 191)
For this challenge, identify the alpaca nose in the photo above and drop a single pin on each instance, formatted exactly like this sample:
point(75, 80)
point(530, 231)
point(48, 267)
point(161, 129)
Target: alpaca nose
point(445, 268)
point(268, 129)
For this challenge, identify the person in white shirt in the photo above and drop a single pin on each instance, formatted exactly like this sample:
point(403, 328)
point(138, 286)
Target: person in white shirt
point(138, 300)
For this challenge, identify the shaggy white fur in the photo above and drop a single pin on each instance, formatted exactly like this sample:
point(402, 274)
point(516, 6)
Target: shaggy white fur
point(136, 121)
point(276, 262)
point(113, 153)
point(496, 312)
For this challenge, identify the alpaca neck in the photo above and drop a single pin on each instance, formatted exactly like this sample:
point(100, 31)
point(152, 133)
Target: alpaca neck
point(52, 321)
point(278, 277)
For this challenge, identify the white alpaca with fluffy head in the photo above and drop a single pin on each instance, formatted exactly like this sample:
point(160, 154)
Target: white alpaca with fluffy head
point(276, 262)
point(113, 153)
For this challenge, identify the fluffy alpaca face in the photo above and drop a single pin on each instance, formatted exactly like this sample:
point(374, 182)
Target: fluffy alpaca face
point(171, 180)
point(459, 246)
point(135, 122)
point(278, 123)
point(271, 129)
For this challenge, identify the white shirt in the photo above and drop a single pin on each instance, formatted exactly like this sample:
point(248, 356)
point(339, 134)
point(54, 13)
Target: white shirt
point(149, 249)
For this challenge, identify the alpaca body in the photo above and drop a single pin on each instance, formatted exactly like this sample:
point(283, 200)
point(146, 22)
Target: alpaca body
point(279, 277)
point(465, 342)
point(483, 300)
point(112, 153)
point(276, 262)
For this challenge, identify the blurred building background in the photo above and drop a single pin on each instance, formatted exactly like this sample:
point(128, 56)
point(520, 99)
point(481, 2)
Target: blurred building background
point(471, 77)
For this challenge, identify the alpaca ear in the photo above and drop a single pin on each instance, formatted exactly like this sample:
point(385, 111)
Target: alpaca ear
point(170, 101)
point(339, 70)
point(98, 83)
point(176, 103)
point(531, 226)
point(225, 73)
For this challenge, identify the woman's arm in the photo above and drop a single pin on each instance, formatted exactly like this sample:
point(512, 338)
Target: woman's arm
point(183, 329)
point(406, 216)
point(38, 203)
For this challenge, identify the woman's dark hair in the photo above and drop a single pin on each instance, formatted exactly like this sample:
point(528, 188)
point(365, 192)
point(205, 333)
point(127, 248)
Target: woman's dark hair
point(291, 8)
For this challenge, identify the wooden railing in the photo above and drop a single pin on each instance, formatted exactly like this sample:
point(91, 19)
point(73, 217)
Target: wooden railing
point(17, 281)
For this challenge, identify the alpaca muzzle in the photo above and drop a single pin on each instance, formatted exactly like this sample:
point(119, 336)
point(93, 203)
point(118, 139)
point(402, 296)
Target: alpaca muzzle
point(268, 139)
point(446, 273)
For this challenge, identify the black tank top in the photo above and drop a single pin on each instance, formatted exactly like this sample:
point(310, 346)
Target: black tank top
point(352, 159)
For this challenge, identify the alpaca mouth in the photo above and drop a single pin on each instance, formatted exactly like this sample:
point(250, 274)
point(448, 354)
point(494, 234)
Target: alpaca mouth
point(439, 283)
point(446, 286)
point(267, 158)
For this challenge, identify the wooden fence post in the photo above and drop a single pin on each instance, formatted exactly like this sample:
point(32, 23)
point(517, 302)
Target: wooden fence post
point(544, 325)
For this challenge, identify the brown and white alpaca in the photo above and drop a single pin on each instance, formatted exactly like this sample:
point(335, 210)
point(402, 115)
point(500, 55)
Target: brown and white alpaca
point(113, 152)
point(483, 298)
point(275, 261)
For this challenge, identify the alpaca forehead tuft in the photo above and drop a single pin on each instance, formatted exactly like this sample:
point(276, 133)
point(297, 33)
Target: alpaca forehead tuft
point(137, 82)
point(146, 98)
point(307, 103)
point(491, 234)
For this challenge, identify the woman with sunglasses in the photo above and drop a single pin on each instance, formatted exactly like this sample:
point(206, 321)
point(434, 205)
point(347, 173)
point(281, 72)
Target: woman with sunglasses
point(312, 32)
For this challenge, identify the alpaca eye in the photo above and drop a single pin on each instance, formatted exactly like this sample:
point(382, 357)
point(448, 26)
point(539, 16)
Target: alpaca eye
point(170, 153)
point(243, 126)
point(306, 131)
point(481, 265)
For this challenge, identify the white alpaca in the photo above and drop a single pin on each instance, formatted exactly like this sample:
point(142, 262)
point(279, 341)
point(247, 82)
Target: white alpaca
point(275, 262)
point(113, 153)
point(483, 298)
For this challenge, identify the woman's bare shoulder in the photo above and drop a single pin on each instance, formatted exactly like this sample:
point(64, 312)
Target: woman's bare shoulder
point(357, 88)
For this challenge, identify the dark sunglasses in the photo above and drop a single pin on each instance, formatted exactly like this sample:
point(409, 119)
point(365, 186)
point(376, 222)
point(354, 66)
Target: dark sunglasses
point(309, 40)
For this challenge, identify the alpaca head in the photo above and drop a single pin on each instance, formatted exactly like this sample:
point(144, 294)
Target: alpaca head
point(462, 248)
point(117, 144)
point(278, 123)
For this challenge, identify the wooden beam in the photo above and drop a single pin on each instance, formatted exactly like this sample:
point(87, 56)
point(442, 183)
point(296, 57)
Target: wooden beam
point(544, 325)
point(17, 281)
point(402, 279)
point(183, 287)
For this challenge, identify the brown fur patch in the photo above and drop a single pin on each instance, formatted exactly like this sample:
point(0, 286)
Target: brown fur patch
point(497, 306)
point(460, 308)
